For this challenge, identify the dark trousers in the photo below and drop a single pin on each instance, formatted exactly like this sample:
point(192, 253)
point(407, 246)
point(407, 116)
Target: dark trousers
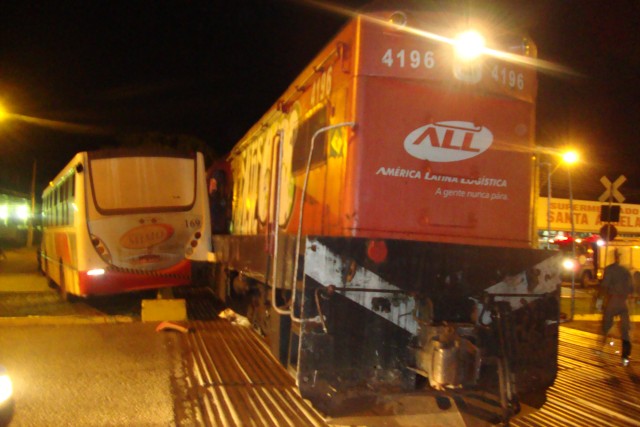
point(626, 349)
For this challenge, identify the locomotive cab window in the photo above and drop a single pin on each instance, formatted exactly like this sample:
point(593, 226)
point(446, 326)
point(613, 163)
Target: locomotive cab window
point(306, 130)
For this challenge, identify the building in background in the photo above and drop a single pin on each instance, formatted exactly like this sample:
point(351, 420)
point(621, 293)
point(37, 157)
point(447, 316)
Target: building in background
point(15, 216)
point(592, 252)
point(554, 218)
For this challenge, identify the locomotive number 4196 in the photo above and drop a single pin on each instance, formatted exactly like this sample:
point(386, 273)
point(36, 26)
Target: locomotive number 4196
point(507, 77)
point(403, 58)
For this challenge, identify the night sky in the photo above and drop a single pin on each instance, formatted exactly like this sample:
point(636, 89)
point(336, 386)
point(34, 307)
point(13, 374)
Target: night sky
point(95, 73)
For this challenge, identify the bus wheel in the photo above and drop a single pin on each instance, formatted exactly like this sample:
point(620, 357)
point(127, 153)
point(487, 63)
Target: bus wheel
point(238, 298)
point(50, 281)
point(39, 259)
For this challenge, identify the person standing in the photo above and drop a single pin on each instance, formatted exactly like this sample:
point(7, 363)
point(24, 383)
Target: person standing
point(617, 286)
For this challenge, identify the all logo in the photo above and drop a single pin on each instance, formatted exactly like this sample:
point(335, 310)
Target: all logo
point(449, 141)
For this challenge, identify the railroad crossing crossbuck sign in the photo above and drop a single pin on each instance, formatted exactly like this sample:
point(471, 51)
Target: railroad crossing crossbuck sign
point(612, 189)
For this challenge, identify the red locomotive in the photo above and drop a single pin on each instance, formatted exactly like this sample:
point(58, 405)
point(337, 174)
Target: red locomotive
point(379, 222)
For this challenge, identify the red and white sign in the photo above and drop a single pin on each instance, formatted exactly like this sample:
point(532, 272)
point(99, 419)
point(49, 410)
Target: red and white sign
point(449, 141)
point(458, 167)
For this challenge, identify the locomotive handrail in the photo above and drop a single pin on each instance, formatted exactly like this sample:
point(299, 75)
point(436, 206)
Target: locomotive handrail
point(274, 268)
point(302, 196)
point(382, 291)
point(522, 295)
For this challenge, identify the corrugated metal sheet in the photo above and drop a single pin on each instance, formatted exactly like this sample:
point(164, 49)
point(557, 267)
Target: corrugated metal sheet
point(238, 381)
point(590, 390)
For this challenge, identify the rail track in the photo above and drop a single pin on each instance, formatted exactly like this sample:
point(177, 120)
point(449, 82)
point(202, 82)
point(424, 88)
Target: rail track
point(235, 381)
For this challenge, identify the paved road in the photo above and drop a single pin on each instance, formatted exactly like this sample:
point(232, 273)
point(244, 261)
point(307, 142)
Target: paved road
point(77, 365)
point(92, 374)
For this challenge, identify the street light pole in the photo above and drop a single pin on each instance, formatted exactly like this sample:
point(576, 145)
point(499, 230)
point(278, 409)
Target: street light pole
point(569, 158)
point(548, 165)
point(573, 246)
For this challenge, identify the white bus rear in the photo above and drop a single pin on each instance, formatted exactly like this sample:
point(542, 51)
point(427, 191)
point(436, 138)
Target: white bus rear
point(118, 221)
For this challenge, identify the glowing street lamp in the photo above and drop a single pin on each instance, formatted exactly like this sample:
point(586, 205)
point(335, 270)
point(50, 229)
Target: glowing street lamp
point(570, 157)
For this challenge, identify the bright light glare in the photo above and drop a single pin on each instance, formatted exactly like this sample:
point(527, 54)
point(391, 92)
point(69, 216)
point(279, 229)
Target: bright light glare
point(6, 388)
point(96, 272)
point(4, 212)
point(600, 242)
point(510, 57)
point(570, 157)
point(3, 113)
point(568, 264)
point(22, 212)
point(469, 45)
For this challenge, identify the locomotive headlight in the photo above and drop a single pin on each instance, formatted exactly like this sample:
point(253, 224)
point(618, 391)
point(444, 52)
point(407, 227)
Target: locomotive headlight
point(469, 45)
point(398, 18)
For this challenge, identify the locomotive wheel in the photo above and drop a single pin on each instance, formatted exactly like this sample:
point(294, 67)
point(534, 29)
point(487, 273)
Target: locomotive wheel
point(257, 310)
point(237, 297)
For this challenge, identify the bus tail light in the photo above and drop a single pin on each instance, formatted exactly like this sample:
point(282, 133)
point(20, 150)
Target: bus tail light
point(193, 243)
point(101, 248)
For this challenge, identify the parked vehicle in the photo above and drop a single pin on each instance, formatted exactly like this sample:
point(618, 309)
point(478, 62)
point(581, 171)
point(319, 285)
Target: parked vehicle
point(116, 221)
point(584, 263)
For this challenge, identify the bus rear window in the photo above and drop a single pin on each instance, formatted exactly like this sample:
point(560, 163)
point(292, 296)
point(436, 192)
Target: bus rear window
point(143, 183)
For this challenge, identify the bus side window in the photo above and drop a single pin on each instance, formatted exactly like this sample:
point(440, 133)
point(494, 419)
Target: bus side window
point(70, 198)
point(43, 212)
point(56, 204)
point(50, 209)
point(65, 199)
